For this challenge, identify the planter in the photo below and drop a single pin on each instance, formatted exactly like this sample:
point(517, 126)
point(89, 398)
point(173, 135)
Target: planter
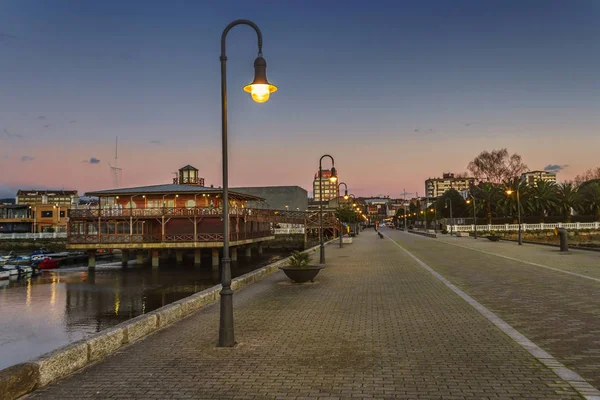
point(301, 275)
point(494, 238)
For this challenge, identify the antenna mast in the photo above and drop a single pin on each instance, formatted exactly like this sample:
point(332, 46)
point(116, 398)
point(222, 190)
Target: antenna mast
point(115, 171)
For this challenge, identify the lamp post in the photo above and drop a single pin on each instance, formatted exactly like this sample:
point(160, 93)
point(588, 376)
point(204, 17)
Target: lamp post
point(260, 90)
point(333, 179)
point(356, 224)
point(474, 217)
point(509, 192)
point(345, 198)
point(451, 220)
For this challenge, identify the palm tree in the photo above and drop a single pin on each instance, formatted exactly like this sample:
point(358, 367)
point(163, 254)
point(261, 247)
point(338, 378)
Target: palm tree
point(567, 198)
point(590, 198)
point(543, 198)
point(488, 195)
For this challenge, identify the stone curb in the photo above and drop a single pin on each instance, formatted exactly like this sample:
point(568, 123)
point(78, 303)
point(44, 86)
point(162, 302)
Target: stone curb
point(427, 234)
point(20, 379)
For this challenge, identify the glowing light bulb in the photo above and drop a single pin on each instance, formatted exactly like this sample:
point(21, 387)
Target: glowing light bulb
point(260, 92)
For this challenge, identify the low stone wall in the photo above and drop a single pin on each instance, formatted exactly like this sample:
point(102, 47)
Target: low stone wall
point(30, 244)
point(431, 235)
point(23, 378)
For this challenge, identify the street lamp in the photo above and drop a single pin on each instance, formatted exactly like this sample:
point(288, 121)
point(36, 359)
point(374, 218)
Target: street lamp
point(509, 192)
point(345, 198)
point(451, 220)
point(260, 90)
point(355, 204)
point(474, 217)
point(332, 179)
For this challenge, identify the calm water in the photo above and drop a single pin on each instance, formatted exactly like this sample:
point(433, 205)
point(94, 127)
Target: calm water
point(58, 307)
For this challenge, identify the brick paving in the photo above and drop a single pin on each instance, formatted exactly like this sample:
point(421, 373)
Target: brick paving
point(557, 311)
point(374, 325)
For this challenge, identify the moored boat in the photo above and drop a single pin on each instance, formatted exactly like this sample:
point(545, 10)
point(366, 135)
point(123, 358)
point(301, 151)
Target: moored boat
point(48, 263)
point(4, 275)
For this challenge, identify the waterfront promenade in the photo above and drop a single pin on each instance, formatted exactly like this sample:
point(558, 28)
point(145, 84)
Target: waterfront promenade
point(404, 317)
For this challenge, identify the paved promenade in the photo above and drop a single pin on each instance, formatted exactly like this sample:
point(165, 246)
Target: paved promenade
point(376, 324)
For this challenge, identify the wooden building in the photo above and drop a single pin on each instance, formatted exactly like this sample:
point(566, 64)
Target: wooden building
point(181, 216)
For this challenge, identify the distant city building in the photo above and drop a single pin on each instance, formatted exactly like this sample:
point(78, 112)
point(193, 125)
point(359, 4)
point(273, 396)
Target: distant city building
point(330, 189)
point(531, 178)
point(435, 187)
point(36, 218)
point(53, 197)
point(292, 198)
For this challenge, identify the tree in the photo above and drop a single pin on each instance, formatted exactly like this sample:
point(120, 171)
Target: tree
point(487, 195)
point(567, 198)
point(346, 214)
point(459, 206)
point(497, 166)
point(590, 198)
point(543, 198)
point(588, 175)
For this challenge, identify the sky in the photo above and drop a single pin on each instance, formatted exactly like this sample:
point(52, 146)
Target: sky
point(396, 91)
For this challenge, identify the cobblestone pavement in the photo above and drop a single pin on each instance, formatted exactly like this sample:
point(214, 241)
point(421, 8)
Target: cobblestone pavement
point(373, 325)
point(557, 311)
point(583, 262)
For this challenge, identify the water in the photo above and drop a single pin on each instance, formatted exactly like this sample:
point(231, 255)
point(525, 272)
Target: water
point(55, 308)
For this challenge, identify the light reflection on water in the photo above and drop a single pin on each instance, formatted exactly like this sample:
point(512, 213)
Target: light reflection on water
point(55, 308)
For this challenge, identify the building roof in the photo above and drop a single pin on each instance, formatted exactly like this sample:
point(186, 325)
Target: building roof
point(46, 191)
point(170, 189)
point(188, 168)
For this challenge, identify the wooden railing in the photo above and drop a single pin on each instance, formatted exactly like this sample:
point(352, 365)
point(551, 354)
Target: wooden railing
point(139, 238)
point(183, 212)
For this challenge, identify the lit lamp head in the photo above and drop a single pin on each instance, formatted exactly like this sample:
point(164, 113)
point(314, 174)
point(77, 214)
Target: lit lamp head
point(345, 195)
point(468, 201)
point(260, 89)
point(333, 177)
point(509, 192)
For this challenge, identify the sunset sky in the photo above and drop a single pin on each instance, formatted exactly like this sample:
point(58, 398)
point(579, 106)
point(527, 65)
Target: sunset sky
point(397, 91)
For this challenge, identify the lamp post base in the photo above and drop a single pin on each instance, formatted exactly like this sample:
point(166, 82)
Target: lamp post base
point(226, 336)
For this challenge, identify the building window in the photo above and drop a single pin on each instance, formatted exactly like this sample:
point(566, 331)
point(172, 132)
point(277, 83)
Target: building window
point(62, 214)
point(46, 214)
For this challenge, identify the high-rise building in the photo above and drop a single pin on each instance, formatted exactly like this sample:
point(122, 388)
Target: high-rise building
point(330, 189)
point(533, 177)
point(435, 187)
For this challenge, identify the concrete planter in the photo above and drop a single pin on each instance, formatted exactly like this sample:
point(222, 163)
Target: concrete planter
point(494, 238)
point(301, 275)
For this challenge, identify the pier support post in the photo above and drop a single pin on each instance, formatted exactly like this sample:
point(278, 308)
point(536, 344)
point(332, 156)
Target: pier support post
point(248, 252)
point(139, 258)
point(233, 253)
point(260, 248)
point(178, 256)
point(155, 258)
point(215, 258)
point(197, 257)
point(92, 258)
point(124, 257)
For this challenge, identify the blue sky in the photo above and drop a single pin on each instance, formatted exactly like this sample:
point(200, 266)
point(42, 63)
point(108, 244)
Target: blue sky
point(412, 89)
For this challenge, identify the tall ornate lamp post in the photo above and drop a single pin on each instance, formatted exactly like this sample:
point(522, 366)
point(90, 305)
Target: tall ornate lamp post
point(345, 198)
point(332, 179)
point(451, 219)
point(474, 216)
point(260, 90)
point(509, 192)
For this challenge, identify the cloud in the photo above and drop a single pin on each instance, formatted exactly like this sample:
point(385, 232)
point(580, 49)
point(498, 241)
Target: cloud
point(94, 160)
point(12, 135)
point(72, 121)
point(26, 158)
point(41, 117)
point(554, 167)
point(156, 142)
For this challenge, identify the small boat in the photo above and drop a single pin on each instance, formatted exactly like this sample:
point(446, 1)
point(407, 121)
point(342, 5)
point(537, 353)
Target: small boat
point(4, 275)
point(11, 269)
point(47, 263)
point(24, 270)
